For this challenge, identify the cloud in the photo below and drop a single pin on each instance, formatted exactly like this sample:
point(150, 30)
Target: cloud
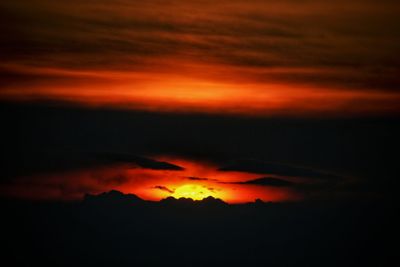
point(164, 188)
point(316, 189)
point(262, 167)
point(265, 181)
point(197, 178)
point(192, 178)
point(45, 161)
point(322, 44)
point(142, 162)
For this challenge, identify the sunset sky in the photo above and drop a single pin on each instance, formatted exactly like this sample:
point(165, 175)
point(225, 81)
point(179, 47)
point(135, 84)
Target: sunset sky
point(198, 85)
point(241, 57)
point(199, 133)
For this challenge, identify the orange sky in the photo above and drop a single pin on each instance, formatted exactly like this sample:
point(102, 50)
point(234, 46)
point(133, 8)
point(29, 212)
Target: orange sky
point(259, 58)
point(175, 92)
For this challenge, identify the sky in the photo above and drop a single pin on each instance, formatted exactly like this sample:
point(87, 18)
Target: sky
point(239, 100)
point(257, 58)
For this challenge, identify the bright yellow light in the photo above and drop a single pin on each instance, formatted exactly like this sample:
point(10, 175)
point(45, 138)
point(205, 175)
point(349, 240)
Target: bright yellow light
point(193, 191)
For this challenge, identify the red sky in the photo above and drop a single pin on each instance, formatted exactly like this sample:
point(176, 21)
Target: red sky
point(262, 58)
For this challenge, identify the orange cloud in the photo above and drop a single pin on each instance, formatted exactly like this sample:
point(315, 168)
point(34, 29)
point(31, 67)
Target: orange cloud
point(177, 93)
point(274, 58)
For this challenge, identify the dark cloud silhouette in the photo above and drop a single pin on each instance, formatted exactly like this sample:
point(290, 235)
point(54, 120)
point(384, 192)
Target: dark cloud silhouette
point(266, 181)
point(142, 162)
point(316, 190)
point(164, 188)
point(200, 179)
point(197, 178)
point(262, 167)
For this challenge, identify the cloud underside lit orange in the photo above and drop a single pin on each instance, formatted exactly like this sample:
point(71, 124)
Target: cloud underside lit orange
point(252, 57)
point(174, 92)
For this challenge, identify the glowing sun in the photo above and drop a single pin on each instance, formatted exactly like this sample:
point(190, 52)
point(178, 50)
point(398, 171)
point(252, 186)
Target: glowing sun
point(193, 191)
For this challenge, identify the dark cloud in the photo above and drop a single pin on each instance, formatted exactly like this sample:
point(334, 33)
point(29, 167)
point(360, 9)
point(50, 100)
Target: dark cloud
point(139, 161)
point(262, 167)
point(44, 160)
point(197, 179)
point(164, 188)
point(200, 179)
point(266, 181)
point(316, 190)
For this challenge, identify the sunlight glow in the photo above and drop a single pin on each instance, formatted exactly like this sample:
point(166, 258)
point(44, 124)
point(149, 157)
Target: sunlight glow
point(193, 191)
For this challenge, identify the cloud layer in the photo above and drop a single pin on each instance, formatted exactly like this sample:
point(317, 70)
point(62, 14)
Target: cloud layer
point(340, 53)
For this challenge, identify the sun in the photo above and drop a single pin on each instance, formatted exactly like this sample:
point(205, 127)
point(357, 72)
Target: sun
point(193, 191)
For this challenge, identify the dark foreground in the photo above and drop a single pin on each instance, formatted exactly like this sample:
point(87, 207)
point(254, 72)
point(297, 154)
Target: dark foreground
point(123, 230)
